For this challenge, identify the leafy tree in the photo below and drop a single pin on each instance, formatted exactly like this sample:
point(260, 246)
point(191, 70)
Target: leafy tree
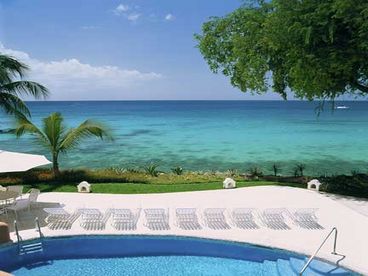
point(12, 86)
point(57, 138)
point(317, 49)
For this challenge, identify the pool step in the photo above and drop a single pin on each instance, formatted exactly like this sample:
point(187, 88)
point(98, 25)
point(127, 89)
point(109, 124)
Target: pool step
point(316, 267)
point(30, 248)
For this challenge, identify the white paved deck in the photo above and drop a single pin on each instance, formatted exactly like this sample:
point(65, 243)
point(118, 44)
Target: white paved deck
point(352, 225)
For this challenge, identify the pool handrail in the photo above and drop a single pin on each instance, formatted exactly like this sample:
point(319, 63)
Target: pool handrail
point(334, 230)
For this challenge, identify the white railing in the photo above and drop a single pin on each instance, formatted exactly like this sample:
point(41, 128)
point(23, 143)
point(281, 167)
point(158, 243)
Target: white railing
point(334, 230)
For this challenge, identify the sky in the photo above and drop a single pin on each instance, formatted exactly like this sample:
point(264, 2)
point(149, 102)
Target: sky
point(117, 50)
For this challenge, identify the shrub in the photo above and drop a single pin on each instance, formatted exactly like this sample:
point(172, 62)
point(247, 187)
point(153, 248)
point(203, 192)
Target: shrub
point(255, 172)
point(177, 170)
point(356, 185)
point(232, 172)
point(151, 169)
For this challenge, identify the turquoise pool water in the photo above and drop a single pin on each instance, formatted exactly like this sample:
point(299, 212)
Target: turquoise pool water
point(212, 135)
point(152, 255)
point(161, 265)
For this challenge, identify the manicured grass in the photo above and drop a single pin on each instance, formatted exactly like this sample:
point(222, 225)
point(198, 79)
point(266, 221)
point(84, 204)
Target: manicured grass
point(142, 188)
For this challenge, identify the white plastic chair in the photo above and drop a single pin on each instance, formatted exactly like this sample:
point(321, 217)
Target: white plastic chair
point(24, 203)
point(17, 188)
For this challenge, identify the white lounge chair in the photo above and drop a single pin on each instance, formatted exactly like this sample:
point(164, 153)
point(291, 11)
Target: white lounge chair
point(306, 218)
point(187, 219)
point(215, 218)
point(58, 218)
point(157, 219)
point(93, 219)
point(274, 218)
point(125, 219)
point(24, 203)
point(2, 189)
point(243, 218)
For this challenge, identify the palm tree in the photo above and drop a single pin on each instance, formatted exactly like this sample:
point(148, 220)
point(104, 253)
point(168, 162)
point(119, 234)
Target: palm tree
point(57, 138)
point(12, 86)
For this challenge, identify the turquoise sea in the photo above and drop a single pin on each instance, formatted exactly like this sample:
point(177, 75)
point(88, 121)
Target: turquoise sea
point(212, 135)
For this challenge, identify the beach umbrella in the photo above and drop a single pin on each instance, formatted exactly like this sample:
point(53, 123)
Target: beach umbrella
point(20, 162)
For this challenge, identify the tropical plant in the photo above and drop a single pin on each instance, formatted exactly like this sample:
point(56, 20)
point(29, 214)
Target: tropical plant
point(12, 86)
point(232, 172)
point(133, 170)
point(312, 49)
point(177, 170)
point(255, 172)
point(55, 137)
point(300, 167)
point(276, 169)
point(152, 169)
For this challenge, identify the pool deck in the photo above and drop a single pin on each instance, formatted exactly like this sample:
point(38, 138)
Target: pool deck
point(347, 214)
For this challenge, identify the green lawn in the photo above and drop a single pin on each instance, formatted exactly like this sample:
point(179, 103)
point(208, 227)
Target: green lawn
point(138, 188)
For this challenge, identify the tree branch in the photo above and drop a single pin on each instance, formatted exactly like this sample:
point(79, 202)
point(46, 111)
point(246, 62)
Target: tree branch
point(360, 87)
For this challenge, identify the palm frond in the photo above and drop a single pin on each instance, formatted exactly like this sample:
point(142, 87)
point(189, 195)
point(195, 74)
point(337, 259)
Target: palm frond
point(53, 129)
point(22, 87)
point(25, 126)
point(12, 104)
point(85, 130)
point(10, 67)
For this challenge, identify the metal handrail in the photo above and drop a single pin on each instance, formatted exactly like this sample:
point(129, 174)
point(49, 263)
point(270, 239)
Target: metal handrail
point(17, 231)
point(316, 252)
point(19, 238)
point(38, 228)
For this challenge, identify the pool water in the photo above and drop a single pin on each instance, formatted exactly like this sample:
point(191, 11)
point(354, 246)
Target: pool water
point(161, 265)
point(149, 255)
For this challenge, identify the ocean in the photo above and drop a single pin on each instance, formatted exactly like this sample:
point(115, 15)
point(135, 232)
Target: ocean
point(211, 135)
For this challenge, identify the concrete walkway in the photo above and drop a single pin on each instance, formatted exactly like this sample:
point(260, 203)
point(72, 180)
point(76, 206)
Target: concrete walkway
point(352, 244)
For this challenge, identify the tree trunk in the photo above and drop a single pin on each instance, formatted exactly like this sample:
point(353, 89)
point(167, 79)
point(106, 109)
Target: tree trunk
point(55, 166)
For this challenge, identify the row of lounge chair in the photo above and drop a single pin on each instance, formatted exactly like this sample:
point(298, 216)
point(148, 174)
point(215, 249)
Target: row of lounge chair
point(185, 218)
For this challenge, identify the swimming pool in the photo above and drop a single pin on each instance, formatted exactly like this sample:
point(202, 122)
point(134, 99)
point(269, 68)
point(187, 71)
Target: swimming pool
point(153, 255)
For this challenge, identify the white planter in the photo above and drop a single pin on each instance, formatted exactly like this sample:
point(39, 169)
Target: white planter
point(314, 185)
point(229, 183)
point(84, 187)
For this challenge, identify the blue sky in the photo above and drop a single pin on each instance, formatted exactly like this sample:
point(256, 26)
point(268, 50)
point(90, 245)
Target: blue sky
point(128, 50)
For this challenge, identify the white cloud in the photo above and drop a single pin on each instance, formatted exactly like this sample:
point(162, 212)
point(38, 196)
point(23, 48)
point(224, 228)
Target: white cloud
point(120, 9)
point(72, 79)
point(133, 16)
point(169, 17)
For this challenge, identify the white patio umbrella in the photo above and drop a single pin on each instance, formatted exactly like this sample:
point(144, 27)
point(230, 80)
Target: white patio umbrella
point(20, 162)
